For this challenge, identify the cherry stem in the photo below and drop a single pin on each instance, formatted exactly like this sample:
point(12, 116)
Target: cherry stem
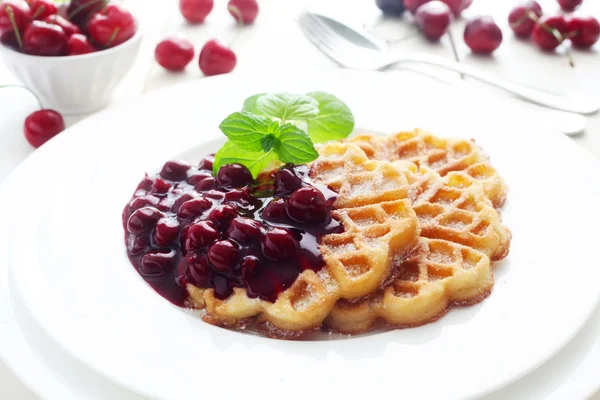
point(82, 7)
point(240, 22)
point(13, 21)
point(39, 12)
point(113, 36)
point(29, 90)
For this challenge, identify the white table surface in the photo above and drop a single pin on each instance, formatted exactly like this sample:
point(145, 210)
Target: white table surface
point(275, 40)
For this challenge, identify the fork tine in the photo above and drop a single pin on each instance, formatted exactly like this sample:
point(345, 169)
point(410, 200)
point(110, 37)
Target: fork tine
point(314, 34)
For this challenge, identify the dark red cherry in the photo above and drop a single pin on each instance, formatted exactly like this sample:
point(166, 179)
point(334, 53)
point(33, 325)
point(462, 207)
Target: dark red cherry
point(233, 176)
point(223, 255)
point(241, 197)
point(175, 170)
point(207, 163)
point(286, 181)
point(279, 244)
point(244, 229)
point(81, 11)
point(216, 59)
point(182, 199)
point(482, 35)
point(549, 32)
point(199, 269)
point(43, 125)
point(21, 12)
point(249, 266)
point(143, 220)
point(222, 214)
point(160, 186)
point(275, 211)
point(166, 231)
point(214, 195)
point(585, 31)
point(174, 53)
point(206, 184)
point(79, 44)
point(44, 39)
point(143, 201)
point(112, 26)
point(193, 208)
point(198, 177)
point(520, 19)
point(307, 204)
point(138, 244)
point(246, 10)
point(9, 38)
point(157, 262)
point(41, 9)
point(66, 25)
point(195, 11)
point(201, 235)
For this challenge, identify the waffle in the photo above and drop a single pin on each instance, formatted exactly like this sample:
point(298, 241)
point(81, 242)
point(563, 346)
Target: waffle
point(461, 234)
point(442, 155)
point(380, 226)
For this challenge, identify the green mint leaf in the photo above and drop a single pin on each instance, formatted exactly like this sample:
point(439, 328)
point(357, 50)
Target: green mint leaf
point(267, 142)
point(294, 146)
point(287, 106)
point(246, 130)
point(255, 161)
point(250, 104)
point(334, 121)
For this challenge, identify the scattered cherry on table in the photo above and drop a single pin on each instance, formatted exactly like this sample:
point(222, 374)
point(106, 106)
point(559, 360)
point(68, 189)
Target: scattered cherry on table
point(43, 125)
point(549, 32)
point(195, 11)
point(483, 35)
point(433, 18)
point(391, 7)
point(583, 32)
point(247, 10)
point(215, 58)
point(569, 5)
point(523, 17)
point(174, 53)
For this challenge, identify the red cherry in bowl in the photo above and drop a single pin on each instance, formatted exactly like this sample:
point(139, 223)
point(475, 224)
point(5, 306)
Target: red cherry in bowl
point(569, 5)
point(548, 33)
point(482, 35)
point(413, 5)
point(66, 25)
point(19, 10)
point(433, 18)
point(9, 38)
point(585, 31)
point(520, 19)
point(247, 10)
point(112, 26)
point(80, 11)
point(43, 125)
point(44, 39)
point(216, 59)
point(41, 9)
point(79, 44)
point(195, 11)
point(174, 53)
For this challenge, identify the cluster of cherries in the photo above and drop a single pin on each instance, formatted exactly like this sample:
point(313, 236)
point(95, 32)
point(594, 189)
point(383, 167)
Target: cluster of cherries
point(549, 32)
point(484, 36)
point(40, 28)
point(225, 231)
point(175, 53)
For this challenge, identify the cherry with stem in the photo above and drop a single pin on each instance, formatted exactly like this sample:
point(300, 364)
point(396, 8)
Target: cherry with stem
point(13, 21)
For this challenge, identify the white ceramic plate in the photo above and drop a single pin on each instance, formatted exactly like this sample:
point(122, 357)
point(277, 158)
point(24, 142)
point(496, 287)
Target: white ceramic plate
point(69, 263)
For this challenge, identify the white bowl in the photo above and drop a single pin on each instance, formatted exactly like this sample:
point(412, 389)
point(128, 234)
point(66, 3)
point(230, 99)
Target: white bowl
point(74, 84)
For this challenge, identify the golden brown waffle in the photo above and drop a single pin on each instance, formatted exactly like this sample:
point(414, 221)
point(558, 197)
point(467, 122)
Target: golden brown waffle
point(460, 233)
point(442, 155)
point(380, 226)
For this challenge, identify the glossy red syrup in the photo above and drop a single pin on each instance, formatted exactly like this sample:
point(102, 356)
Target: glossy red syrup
point(186, 225)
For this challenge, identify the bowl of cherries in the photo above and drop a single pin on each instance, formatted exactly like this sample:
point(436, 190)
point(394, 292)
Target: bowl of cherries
point(73, 55)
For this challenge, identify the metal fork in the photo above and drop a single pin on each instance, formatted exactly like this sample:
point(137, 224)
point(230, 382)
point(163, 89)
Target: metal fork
point(351, 55)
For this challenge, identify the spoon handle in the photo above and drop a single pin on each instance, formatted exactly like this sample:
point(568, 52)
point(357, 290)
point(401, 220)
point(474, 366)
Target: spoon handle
point(580, 104)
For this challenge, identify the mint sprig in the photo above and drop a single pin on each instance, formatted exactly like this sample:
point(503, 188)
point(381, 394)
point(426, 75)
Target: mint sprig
point(270, 129)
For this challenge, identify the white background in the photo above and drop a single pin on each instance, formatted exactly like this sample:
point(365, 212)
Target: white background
point(274, 40)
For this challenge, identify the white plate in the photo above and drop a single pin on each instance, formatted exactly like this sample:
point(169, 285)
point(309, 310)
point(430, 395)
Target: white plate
point(71, 270)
